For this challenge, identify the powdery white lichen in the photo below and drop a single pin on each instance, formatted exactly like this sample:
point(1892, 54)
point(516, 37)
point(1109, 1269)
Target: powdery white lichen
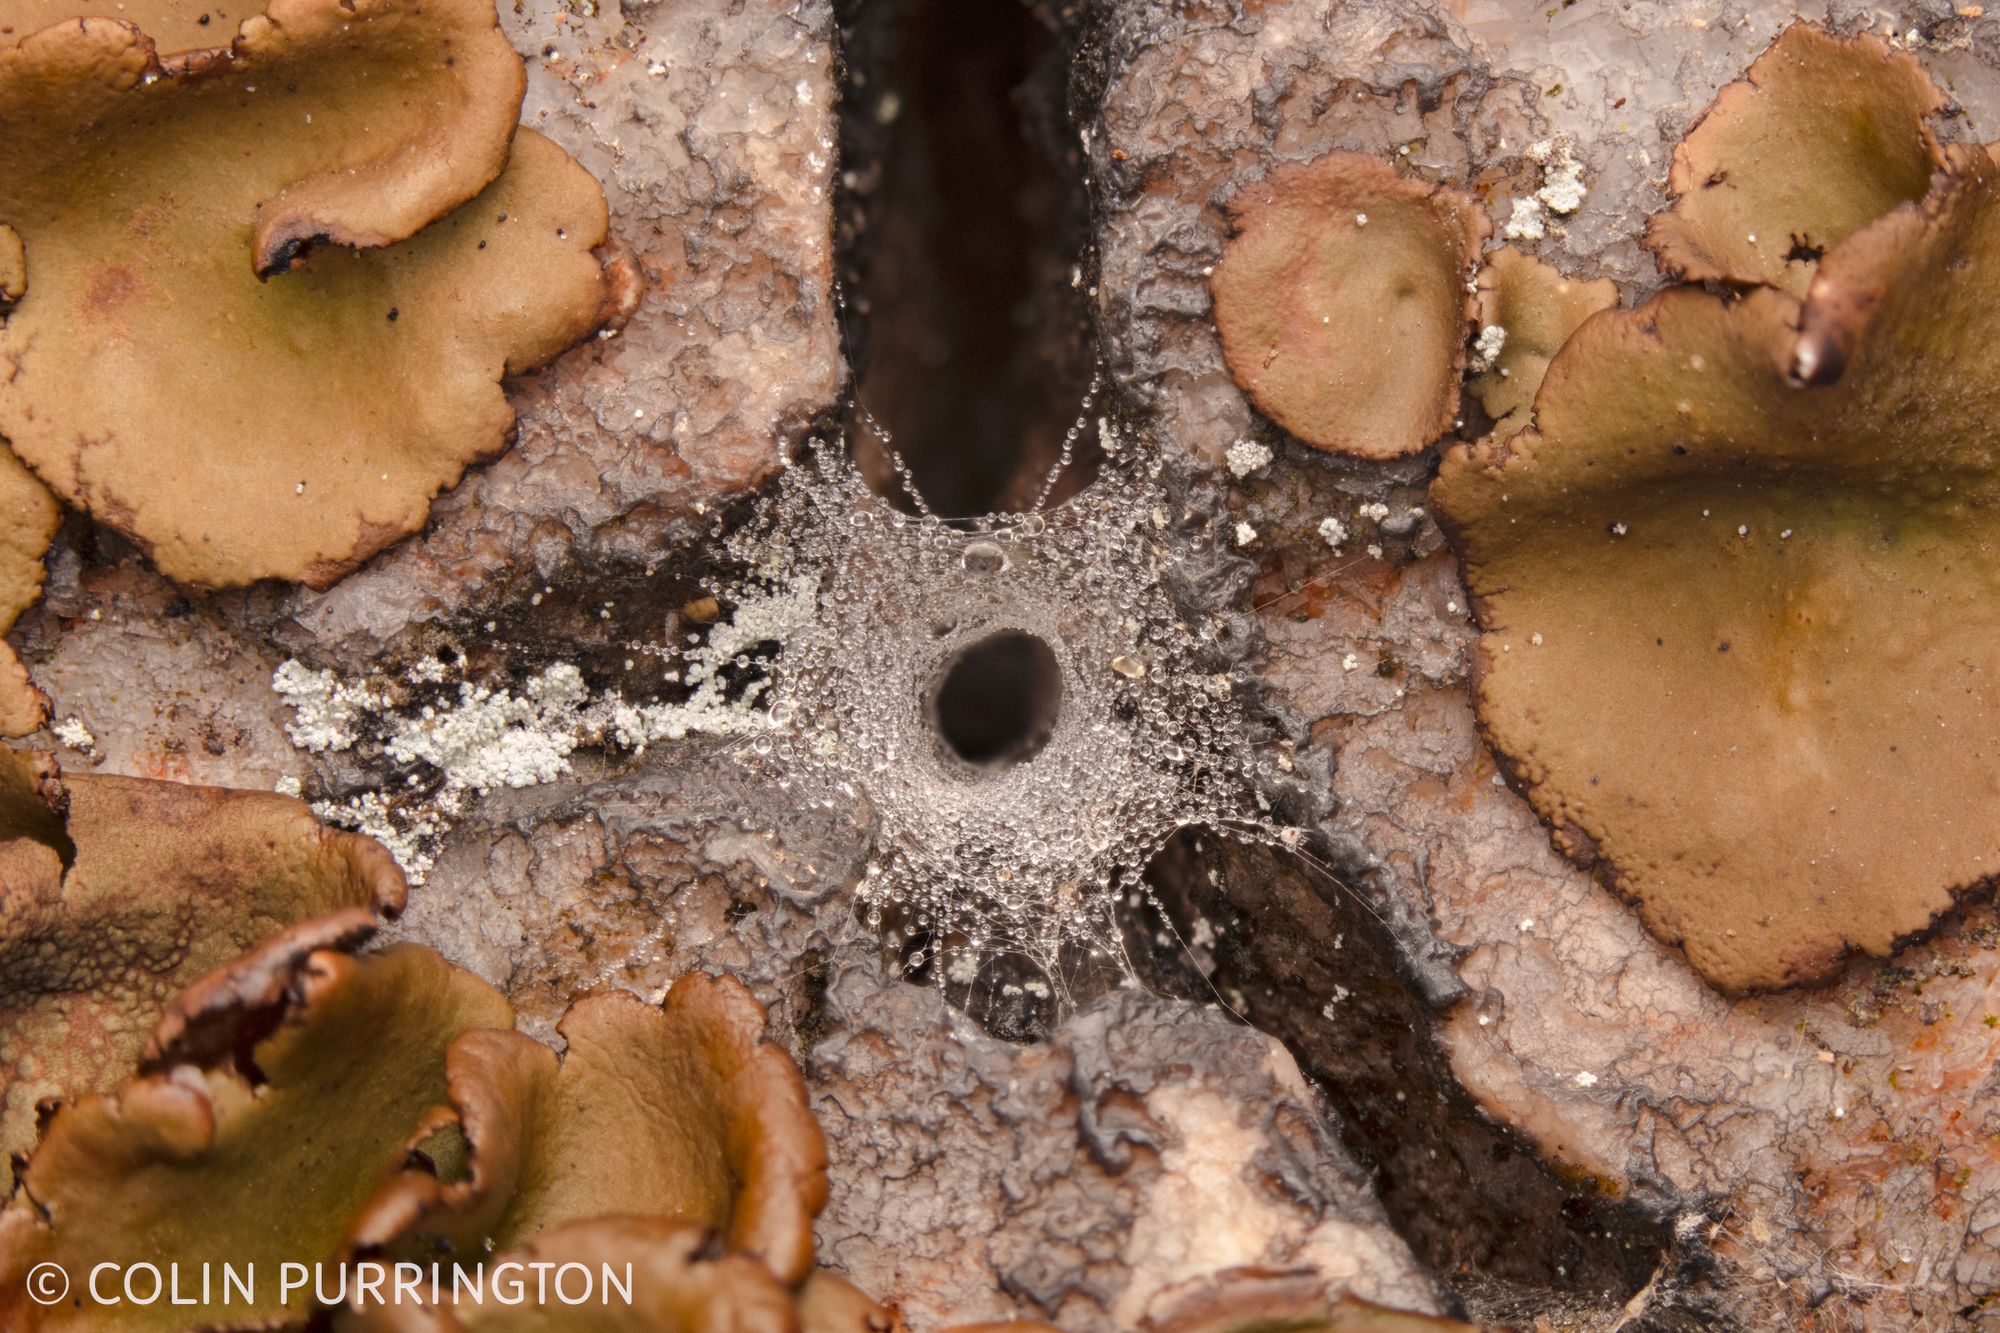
point(1563, 177)
point(324, 710)
point(495, 738)
point(1525, 222)
point(73, 734)
point(1561, 192)
point(442, 754)
point(1486, 348)
point(1563, 189)
point(1245, 457)
point(410, 834)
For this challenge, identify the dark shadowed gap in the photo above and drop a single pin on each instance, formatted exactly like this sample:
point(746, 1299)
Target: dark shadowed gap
point(997, 703)
point(1306, 960)
point(962, 236)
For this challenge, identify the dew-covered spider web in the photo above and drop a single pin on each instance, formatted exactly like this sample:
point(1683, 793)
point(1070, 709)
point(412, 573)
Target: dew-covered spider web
point(865, 611)
point(842, 620)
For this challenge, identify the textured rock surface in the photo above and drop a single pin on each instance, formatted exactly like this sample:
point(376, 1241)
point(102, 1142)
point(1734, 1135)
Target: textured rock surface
point(1830, 1146)
point(710, 125)
point(1818, 1160)
point(1146, 1141)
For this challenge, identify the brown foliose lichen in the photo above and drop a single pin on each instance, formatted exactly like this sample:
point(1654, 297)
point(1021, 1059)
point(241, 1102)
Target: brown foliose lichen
point(1342, 302)
point(1536, 309)
point(683, 1111)
point(118, 892)
point(174, 25)
point(304, 262)
point(1820, 137)
point(29, 516)
point(302, 1105)
point(1734, 589)
point(256, 1158)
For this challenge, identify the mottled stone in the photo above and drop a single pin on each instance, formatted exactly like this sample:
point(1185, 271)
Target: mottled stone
point(1662, 1146)
point(711, 127)
point(160, 683)
point(1145, 1142)
point(1811, 1160)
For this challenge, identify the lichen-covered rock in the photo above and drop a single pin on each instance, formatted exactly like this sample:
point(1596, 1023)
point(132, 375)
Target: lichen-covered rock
point(1342, 304)
point(964, 1181)
point(1196, 109)
point(289, 402)
point(146, 680)
point(1771, 1128)
point(117, 893)
point(706, 120)
point(257, 1158)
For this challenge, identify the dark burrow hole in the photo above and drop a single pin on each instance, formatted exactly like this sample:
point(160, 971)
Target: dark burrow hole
point(964, 232)
point(997, 702)
point(1512, 1239)
point(963, 222)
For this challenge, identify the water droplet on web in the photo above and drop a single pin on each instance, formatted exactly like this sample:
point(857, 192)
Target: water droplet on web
point(984, 558)
point(863, 612)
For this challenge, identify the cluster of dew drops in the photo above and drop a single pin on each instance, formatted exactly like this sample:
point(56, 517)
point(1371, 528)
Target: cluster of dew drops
point(866, 607)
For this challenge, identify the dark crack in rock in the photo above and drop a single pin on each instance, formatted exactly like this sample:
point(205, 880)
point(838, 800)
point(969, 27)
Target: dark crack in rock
point(1815, 1160)
point(1145, 1141)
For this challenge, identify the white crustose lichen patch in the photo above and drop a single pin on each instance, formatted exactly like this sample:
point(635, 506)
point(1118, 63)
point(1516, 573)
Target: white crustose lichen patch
point(1245, 457)
point(73, 734)
point(1561, 192)
point(1562, 189)
point(846, 616)
point(442, 754)
point(1486, 348)
point(324, 710)
point(496, 739)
